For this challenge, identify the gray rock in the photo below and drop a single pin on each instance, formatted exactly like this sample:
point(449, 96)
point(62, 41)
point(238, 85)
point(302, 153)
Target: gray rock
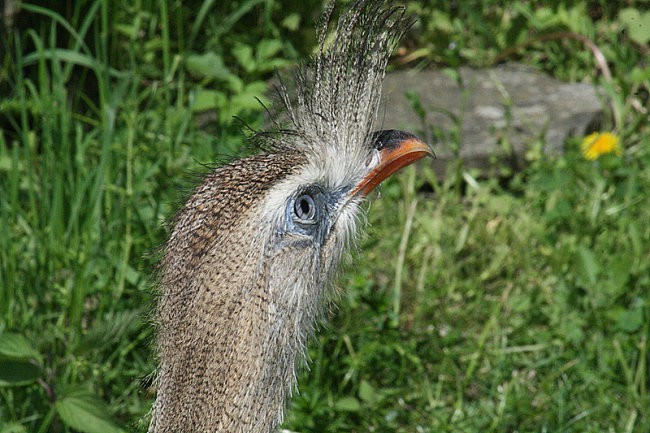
point(494, 117)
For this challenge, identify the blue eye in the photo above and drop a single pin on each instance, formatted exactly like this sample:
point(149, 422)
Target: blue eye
point(304, 209)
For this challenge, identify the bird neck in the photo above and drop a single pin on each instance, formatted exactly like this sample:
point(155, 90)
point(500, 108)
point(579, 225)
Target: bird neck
point(229, 351)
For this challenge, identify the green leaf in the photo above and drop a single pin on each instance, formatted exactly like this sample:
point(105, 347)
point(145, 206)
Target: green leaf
point(268, 48)
point(85, 412)
point(630, 320)
point(638, 25)
point(348, 404)
point(291, 22)
point(69, 56)
point(571, 327)
point(208, 65)
point(442, 21)
point(132, 275)
point(207, 100)
point(639, 75)
point(13, 427)
point(618, 275)
point(250, 97)
point(588, 264)
point(130, 31)
point(15, 372)
point(17, 346)
point(244, 55)
point(367, 392)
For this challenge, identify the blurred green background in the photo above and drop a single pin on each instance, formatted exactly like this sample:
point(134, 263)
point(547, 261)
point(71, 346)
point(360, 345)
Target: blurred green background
point(519, 304)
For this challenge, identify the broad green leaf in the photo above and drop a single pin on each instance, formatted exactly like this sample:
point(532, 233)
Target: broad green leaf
point(639, 75)
point(348, 404)
point(132, 275)
point(208, 65)
point(244, 55)
point(13, 427)
point(85, 412)
point(14, 372)
point(291, 22)
point(235, 84)
point(545, 17)
point(638, 24)
point(618, 275)
point(443, 21)
point(268, 48)
point(572, 327)
point(250, 98)
point(367, 392)
point(17, 346)
point(630, 320)
point(588, 264)
point(207, 100)
point(5, 162)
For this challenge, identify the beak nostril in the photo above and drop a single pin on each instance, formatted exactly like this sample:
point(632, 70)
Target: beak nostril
point(373, 159)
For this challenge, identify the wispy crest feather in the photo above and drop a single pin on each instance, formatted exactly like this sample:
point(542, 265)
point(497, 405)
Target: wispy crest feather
point(338, 91)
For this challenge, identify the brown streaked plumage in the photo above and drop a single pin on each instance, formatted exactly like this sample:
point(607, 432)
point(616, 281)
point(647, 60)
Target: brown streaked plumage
point(252, 253)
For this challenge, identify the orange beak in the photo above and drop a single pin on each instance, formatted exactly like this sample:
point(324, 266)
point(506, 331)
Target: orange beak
point(397, 149)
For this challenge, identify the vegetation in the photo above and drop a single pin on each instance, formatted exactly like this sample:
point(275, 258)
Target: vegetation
point(492, 305)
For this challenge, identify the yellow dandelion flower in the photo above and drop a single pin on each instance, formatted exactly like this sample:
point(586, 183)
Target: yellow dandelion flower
point(600, 143)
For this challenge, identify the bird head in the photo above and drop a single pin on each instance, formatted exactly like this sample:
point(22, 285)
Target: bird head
point(255, 247)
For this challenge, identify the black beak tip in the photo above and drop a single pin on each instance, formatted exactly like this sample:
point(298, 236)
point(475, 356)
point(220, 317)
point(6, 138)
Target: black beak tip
point(392, 138)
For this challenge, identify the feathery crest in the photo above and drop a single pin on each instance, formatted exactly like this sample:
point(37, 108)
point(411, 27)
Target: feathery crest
point(338, 91)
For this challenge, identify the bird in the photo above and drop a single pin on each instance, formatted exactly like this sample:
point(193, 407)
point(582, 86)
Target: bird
point(249, 265)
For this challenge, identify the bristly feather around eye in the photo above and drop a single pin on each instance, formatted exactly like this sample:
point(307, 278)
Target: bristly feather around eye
point(337, 93)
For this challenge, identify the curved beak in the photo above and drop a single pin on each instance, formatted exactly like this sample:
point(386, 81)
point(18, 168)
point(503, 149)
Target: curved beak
point(397, 149)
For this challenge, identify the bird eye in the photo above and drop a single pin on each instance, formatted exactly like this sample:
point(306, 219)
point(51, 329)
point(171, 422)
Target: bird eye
point(304, 208)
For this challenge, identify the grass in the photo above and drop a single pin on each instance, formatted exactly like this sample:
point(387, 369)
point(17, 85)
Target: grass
point(517, 304)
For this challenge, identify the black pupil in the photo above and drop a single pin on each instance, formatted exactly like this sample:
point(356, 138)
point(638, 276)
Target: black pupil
point(305, 207)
